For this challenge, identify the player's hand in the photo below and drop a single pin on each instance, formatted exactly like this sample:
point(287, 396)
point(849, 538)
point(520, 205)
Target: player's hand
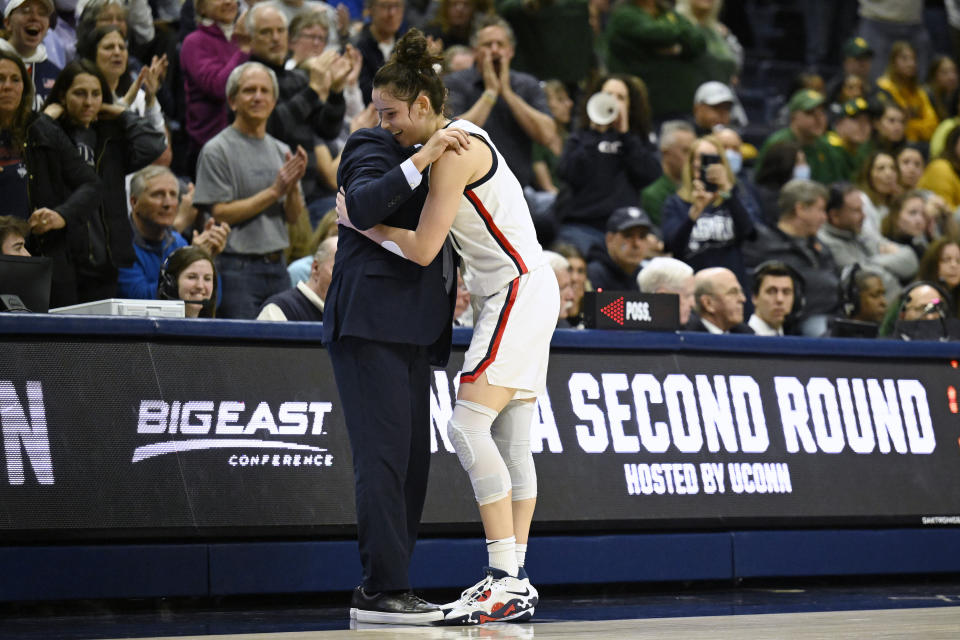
point(455, 140)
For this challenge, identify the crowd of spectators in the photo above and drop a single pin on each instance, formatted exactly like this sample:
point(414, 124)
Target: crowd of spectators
point(141, 140)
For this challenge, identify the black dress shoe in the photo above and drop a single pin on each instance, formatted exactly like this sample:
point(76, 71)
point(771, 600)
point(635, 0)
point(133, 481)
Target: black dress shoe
point(393, 607)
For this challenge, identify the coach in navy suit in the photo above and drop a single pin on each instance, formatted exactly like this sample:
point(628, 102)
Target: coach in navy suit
point(386, 320)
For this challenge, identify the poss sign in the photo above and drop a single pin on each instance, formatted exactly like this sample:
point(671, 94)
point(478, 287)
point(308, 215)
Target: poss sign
point(631, 310)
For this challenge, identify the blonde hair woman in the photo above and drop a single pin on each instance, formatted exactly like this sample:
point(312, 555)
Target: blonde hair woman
point(705, 222)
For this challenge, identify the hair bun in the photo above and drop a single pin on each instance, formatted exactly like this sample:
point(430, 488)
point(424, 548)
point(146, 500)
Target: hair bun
point(413, 50)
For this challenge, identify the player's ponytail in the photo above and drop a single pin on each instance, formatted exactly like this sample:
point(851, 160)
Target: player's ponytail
point(412, 70)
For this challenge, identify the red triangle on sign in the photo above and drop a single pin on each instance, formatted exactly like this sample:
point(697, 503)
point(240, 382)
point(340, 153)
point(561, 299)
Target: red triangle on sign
point(614, 310)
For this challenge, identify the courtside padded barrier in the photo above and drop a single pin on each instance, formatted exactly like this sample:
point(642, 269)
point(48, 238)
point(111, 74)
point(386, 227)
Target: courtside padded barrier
point(846, 461)
point(278, 567)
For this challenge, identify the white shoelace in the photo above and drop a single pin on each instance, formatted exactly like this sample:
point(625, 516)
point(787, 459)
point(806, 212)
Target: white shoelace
point(470, 594)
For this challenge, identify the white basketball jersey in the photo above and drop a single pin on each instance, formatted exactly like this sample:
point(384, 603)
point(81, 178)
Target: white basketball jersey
point(493, 231)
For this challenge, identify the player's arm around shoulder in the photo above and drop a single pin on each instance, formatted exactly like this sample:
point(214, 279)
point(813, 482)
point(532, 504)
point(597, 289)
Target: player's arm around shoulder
point(449, 177)
point(450, 173)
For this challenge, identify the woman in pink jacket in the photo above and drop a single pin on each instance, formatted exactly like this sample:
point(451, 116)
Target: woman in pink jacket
point(207, 57)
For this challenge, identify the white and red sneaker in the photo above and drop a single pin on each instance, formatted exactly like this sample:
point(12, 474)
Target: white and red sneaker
point(497, 598)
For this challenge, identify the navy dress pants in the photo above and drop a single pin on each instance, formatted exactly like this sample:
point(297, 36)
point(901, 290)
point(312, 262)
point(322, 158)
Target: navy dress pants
point(385, 392)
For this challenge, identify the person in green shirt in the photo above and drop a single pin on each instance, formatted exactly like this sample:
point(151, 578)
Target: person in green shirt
point(646, 38)
point(808, 124)
point(851, 132)
point(553, 38)
point(724, 55)
point(676, 138)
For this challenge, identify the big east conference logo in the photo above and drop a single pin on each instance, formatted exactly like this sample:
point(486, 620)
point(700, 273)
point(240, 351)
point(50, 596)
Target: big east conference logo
point(259, 434)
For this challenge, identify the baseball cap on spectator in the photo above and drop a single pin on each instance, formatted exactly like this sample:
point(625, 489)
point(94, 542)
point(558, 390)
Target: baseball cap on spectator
point(713, 93)
point(855, 107)
point(805, 100)
point(857, 48)
point(625, 218)
point(851, 109)
point(13, 4)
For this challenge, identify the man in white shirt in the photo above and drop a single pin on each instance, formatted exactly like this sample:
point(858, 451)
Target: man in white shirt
point(304, 303)
point(719, 302)
point(774, 292)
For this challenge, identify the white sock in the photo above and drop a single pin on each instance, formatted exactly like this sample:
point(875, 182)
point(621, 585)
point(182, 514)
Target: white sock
point(503, 555)
point(521, 553)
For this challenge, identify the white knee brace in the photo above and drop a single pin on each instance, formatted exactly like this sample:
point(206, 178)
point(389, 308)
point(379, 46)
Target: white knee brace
point(469, 432)
point(511, 433)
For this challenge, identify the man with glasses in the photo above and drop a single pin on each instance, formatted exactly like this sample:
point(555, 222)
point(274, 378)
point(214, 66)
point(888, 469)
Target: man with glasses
point(310, 105)
point(336, 23)
point(27, 23)
point(308, 35)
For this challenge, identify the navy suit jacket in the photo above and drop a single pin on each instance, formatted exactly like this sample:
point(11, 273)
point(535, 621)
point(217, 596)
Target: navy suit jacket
point(375, 294)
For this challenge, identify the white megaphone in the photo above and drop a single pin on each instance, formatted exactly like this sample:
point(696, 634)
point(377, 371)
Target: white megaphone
point(602, 109)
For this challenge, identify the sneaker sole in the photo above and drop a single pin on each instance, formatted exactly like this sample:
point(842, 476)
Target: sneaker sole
point(384, 617)
point(479, 617)
point(523, 616)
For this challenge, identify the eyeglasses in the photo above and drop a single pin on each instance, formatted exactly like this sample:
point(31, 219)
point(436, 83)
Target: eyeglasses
point(315, 37)
point(31, 10)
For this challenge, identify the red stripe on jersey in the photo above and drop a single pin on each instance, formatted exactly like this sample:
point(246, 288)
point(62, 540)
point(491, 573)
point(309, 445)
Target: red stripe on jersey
point(497, 234)
point(497, 335)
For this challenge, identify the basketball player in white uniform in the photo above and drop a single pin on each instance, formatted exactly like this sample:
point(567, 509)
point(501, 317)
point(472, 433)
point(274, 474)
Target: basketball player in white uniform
point(475, 198)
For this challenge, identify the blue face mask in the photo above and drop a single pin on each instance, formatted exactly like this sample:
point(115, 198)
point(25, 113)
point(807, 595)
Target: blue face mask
point(735, 160)
point(801, 172)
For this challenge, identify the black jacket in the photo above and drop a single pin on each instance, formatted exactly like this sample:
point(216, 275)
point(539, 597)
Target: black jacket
point(695, 323)
point(810, 258)
point(375, 294)
point(714, 239)
point(125, 144)
point(602, 172)
point(606, 274)
point(301, 117)
point(295, 306)
point(373, 59)
point(60, 180)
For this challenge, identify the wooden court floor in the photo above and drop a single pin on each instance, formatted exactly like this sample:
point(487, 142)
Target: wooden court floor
point(927, 623)
point(858, 608)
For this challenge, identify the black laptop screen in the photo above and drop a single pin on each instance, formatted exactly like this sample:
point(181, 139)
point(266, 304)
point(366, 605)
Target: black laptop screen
point(27, 278)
